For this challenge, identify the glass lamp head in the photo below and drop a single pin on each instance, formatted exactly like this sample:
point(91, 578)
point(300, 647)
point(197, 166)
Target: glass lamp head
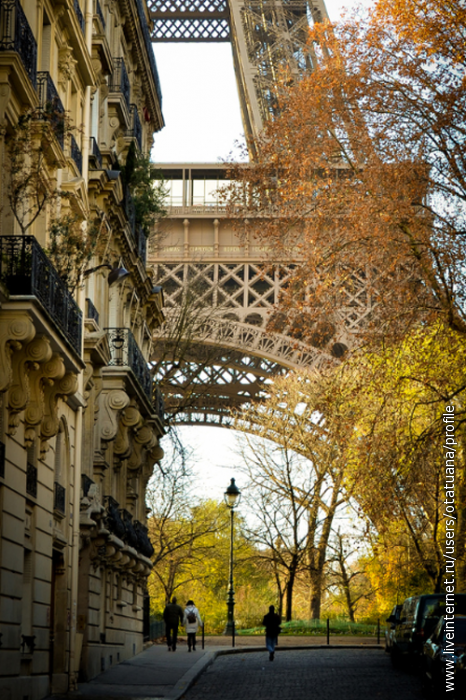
point(232, 495)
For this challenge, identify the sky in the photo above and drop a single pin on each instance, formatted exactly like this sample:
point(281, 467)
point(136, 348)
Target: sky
point(202, 116)
point(200, 101)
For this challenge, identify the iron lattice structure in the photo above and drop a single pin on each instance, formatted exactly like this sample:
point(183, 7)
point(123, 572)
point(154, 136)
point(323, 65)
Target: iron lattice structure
point(267, 37)
point(225, 355)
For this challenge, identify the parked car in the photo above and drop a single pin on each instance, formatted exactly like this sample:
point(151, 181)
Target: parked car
point(434, 658)
point(418, 618)
point(392, 621)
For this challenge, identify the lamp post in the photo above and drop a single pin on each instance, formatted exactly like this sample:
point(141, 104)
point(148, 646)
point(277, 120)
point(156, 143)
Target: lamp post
point(232, 498)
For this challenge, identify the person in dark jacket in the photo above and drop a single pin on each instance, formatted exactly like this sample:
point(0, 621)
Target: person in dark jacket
point(271, 623)
point(172, 616)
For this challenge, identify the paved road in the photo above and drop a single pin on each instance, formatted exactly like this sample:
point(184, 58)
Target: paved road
point(316, 674)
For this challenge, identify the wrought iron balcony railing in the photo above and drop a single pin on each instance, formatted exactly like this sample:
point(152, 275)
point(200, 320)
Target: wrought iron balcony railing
point(158, 402)
point(31, 480)
point(130, 210)
point(130, 536)
point(126, 353)
point(141, 243)
point(16, 35)
point(144, 544)
point(2, 460)
point(26, 271)
point(99, 13)
point(59, 498)
point(95, 155)
point(135, 131)
point(79, 15)
point(91, 311)
point(112, 517)
point(119, 81)
point(86, 483)
point(51, 105)
point(76, 154)
point(149, 49)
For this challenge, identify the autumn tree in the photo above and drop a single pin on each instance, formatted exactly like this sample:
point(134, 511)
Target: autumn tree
point(361, 178)
point(177, 526)
point(293, 415)
point(279, 491)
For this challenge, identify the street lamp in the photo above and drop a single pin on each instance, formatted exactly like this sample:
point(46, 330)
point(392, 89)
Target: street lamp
point(232, 498)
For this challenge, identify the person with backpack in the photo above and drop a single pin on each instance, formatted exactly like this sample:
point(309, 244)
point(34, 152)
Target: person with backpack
point(191, 621)
point(172, 616)
point(271, 623)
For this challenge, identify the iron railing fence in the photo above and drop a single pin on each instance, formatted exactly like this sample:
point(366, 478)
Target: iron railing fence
point(126, 353)
point(119, 81)
point(16, 35)
point(149, 49)
point(59, 496)
point(135, 130)
point(95, 154)
point(158, 402)
point(76, 154)
point(26, 271)
point(51, 105)
point(91, 311)
point(2, 460)
point(79, 15)
point(141, 241)
point(99, 13)
point(31, 480)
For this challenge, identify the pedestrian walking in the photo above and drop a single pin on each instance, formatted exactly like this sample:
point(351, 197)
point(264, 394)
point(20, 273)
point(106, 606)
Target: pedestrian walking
point(191, 621)
point(271, 623)
point(172, 616)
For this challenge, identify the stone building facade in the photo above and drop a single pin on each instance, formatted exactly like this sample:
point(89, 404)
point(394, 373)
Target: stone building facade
point(80, 418)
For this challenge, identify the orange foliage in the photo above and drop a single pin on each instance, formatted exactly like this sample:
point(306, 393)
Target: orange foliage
point(362, 177)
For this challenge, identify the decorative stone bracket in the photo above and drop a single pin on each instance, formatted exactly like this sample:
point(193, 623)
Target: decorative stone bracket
point(16, 329)
point(59, 389)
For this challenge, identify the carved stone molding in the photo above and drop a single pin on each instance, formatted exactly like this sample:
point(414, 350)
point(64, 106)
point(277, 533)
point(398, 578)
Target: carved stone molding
point(59, 389)
point(66, 65)
point(16, 329)
point(28, 358)
point(111, 404)
point(44, 375)
point(130, 419)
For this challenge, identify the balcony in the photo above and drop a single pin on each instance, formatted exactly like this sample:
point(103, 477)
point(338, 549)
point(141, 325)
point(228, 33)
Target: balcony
point(26, 271)
point(158, 402)
point(16, 35)
point(99, 13)
point(125, 352)
point(91, 311)
point(95, 156)
point(79, 15)
point(135, 131)
point(31, 480)
point(141, 242)
point(144, 544)
point(119, 81)
point(149, 49)
point(59, 495)
point(51, 105)
point(2, 460)
point(76, 154)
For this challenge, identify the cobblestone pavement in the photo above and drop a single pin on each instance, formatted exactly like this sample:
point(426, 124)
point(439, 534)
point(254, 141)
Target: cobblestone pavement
point(316, 674)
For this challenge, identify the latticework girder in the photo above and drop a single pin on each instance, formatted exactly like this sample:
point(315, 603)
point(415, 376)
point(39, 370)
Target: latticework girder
point(268, 37)
point(211, 384)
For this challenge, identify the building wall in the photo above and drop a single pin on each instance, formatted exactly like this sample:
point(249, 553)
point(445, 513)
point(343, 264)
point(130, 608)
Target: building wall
point(79, 433)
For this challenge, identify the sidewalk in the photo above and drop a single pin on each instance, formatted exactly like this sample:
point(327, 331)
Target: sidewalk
point(157, 674)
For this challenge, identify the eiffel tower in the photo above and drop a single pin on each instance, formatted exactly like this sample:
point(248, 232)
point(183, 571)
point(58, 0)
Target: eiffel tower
point(265, 35)
point(232, 354)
